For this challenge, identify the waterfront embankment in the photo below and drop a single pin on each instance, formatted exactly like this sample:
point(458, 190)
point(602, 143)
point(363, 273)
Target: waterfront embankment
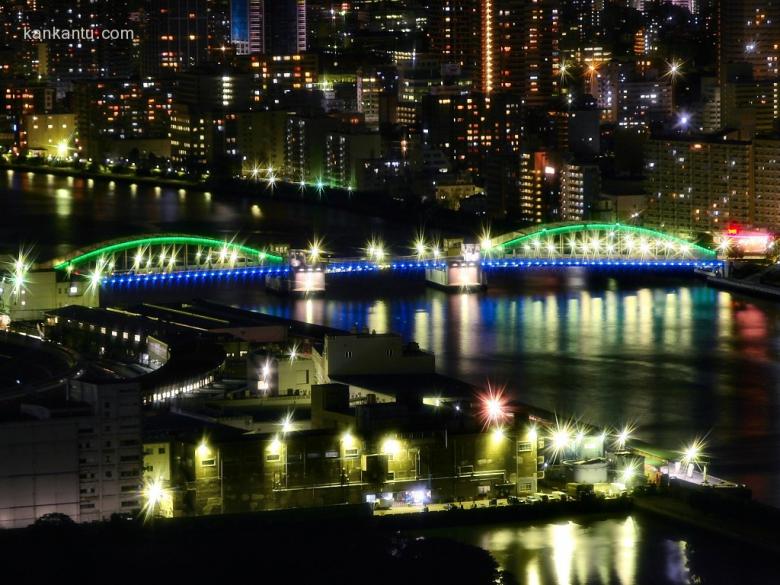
point(746, 287)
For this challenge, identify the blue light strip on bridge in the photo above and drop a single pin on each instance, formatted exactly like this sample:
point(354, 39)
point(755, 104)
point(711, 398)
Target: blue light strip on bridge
point(358, 267)
point(191, 276)
point(365, 267)
point(650, 264)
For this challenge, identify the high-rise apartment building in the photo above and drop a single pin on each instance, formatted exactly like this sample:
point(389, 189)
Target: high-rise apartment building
point(85, 54)
point(176, 38)
point(272, 27)
point(750, 106)
point(766, 156)
point(540, 70)
point(698, 184)
point(749, 32)
point(580, 186)
point(539, 187)
point(503, 45)
point(456, 34)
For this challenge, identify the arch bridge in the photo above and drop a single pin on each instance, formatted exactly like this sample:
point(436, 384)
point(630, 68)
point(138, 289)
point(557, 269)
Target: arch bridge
point(168, 258)
point(590, 241)
point(164, 253)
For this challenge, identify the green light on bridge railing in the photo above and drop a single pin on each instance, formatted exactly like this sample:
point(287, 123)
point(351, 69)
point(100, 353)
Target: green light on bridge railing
point(159, 240)
point(613, 227)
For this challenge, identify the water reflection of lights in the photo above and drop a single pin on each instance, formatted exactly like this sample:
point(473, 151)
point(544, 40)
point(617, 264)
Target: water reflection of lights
point(64, 201)
point(568, 553)
point(309, 311)
point(564, 543)
point(378, 317)
point(625, 555)
point(532, 573)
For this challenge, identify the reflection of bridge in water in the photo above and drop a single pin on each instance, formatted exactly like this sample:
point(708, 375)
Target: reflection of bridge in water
point(172, 258)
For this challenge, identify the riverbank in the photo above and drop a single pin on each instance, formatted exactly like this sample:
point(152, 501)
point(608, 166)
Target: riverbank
point(105, 176)
point(370, 204)
point(741, 286)
point(744, 520)
point(323, 548)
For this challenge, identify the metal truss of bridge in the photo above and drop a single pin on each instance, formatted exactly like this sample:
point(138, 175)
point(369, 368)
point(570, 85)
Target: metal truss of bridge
point(180, 258)
point(166, 255)
point(597, 242)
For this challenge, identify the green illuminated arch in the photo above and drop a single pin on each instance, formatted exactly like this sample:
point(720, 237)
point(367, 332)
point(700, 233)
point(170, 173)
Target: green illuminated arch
point(605, 227)
point(108, 248)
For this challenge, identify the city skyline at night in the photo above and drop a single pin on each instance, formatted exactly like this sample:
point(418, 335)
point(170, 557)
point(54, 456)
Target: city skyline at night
point(433, 291)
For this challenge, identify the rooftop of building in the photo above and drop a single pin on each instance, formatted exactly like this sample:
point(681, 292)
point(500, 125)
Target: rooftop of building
point(191, 354)
point(45, 406)
point(725, 136)
point(424, 385)
point(161, 424)
point(238, 317)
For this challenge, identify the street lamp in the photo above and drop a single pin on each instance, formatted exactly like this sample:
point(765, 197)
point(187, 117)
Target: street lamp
point(62, 149)
point(673, 72)
point(204, 451)
point(287, 423)
point(275, 448)
point(692, 455)
point(315, 250)
point(494, 407)
point(623, 436)
point(154, 495)
point(420, 248)
point(347, 441)
point(683, 121)
point(485, 241)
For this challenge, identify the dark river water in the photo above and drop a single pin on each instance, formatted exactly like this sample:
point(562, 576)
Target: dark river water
point(668, 354)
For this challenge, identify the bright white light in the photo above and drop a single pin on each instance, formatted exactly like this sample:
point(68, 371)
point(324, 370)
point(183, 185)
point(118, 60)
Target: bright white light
point(420, 248)
point(62, 149)
point(203, 450)
point(287, 424)
point(560, 439)
point(347, 440)
point(623, 436)
point(391, 447)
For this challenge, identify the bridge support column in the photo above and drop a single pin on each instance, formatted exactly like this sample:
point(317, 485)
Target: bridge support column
point(304, 277)
point(456, 276)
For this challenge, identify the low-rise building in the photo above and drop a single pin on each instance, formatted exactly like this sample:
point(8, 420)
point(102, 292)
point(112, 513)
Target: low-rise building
point(80, 456)
point(27, 295)
point(53, 134)
point(350, 354)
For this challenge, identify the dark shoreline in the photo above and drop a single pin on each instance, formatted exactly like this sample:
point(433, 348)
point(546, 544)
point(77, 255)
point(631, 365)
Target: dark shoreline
point(375, 205)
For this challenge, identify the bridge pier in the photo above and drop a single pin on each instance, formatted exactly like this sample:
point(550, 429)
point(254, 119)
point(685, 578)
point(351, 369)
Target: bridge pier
point(305, 277)
point(456, 276)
